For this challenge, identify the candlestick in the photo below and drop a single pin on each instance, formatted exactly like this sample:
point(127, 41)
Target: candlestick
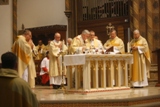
point(128, 47)
point(63, 46)
point(128, 34)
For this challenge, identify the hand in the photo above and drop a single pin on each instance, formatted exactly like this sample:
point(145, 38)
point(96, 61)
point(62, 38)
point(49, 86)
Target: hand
point(60, 46)
point(84, 48)
point(96, 50)
point(31, 43)
point(134, 48)
point(39, 49)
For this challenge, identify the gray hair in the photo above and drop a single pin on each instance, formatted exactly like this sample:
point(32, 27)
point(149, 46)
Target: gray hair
point(26, 32)
point(136, 31)
point(70, 39)
point(85, 32)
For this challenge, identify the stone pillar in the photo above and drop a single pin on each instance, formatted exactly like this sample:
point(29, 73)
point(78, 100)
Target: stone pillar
point(68, 14)
point(14, 19)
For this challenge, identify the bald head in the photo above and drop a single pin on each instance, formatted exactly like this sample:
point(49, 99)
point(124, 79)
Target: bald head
point(57, 36)
point(69, 41)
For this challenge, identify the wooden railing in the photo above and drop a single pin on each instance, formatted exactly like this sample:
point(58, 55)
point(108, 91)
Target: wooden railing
point(97, 9)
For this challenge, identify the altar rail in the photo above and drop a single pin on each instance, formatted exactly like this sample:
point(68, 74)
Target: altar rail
point(98, 73)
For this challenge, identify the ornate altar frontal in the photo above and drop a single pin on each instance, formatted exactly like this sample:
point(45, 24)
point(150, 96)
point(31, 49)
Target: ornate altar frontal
point(97, 73)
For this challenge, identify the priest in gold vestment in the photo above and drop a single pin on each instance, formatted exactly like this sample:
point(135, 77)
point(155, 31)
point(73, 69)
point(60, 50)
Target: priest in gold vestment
point(141, 57)
point(55, 68)
point(41, 50)
point(79, 42)
point(115, 42)
point(23, 48)
point(48, 45)
point(93, 43)
point(117, 46)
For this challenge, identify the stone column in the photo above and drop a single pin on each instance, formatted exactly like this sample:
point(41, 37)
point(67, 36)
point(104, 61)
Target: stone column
point(14, 19)
point(68, 14)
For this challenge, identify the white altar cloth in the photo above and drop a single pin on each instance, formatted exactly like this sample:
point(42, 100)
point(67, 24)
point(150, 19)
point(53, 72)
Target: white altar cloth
point(77, 59)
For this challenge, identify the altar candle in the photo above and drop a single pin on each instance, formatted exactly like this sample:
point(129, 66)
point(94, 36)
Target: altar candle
point(128, 47)
point(128, 34)
point(62, 45)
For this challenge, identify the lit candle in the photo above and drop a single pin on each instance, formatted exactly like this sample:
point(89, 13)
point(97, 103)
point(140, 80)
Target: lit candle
point(128, 44)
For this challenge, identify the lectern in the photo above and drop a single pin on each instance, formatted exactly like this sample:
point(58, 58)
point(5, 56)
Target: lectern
point(158, 61)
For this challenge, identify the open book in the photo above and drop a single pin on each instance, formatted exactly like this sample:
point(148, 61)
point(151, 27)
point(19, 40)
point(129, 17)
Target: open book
point(110, 49)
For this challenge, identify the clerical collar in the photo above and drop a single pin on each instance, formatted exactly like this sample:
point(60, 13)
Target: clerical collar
point(114, 38)
point(138, 38)
point(56, 41)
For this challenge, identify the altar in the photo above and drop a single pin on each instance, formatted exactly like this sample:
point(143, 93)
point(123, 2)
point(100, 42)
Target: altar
point(88, 73)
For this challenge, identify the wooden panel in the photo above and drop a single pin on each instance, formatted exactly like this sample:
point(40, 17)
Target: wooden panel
point(99, 26)
point(95, 20)
point(120, 32)
point(47, 32)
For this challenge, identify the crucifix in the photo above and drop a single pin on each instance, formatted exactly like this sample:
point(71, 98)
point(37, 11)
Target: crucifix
point(109, 28)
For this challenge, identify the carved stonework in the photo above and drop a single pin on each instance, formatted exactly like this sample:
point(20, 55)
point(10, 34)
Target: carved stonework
point(68, 13)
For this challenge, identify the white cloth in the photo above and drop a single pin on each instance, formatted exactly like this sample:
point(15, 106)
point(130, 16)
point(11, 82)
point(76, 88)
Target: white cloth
point(44, 63)
point(25, 75)
point(74, 59)
point(100, 46)
point(57, 80)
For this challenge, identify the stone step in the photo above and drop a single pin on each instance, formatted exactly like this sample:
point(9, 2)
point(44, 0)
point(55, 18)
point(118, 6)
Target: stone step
point(154, 104)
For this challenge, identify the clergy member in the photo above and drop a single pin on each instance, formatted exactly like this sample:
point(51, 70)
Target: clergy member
point(55, 68)
point(48, 45)
point(23, 48)
point(93, 43)
point(79, 42)
point(114, 46)
point(114, 42)
point(141, 63)
point(41, 50)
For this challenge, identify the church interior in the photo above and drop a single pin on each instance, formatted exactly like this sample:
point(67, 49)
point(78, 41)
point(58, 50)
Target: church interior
point(70, 18)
